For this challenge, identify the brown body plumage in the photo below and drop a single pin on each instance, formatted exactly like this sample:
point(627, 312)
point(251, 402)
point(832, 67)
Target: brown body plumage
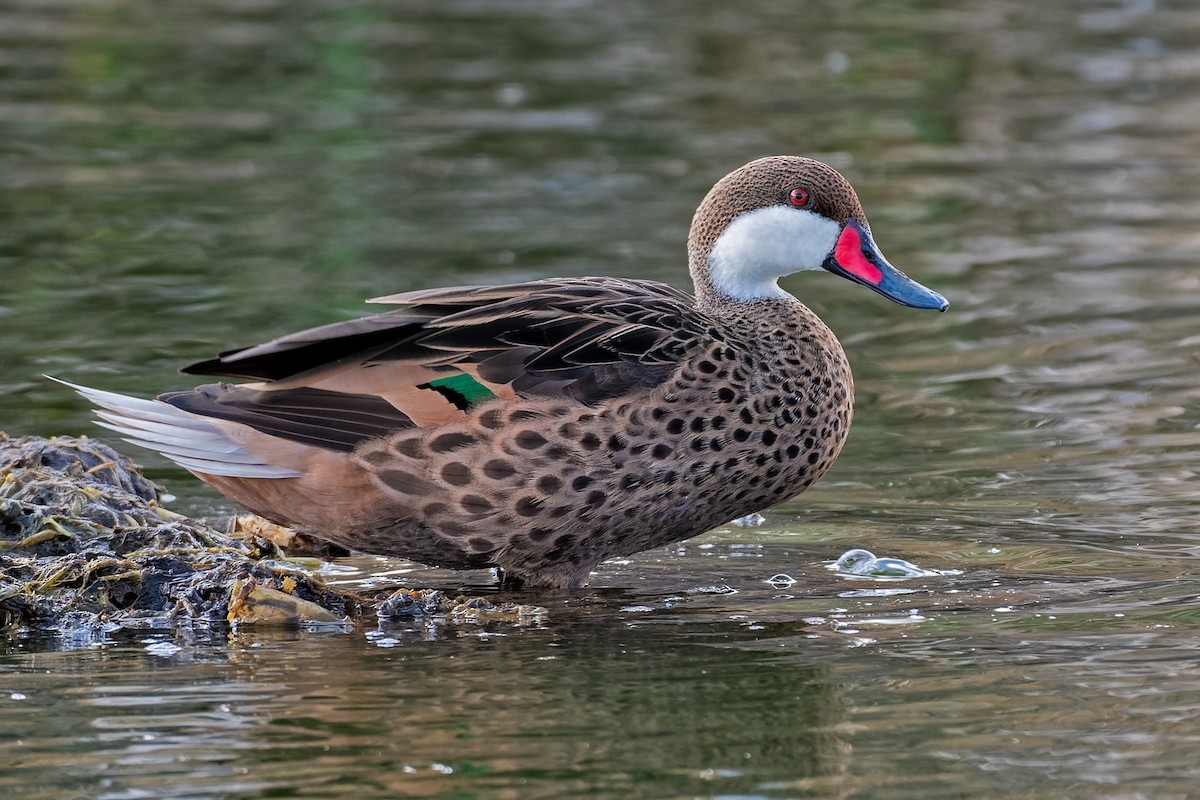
point(546, 426)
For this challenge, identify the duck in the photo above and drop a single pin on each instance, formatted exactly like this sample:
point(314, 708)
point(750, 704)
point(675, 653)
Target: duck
point(542, 427)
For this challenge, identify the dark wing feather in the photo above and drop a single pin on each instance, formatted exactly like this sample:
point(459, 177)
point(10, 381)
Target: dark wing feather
point(590, 338)
point(361, 339)
point(330, 420)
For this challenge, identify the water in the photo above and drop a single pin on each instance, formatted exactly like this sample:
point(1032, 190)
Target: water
point(176, 179)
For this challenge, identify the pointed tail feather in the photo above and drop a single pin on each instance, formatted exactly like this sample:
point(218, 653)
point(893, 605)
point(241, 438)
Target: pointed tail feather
point(191, 441)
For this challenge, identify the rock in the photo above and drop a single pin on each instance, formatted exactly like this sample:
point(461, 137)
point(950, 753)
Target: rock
point(84, 542)
point(86, 545)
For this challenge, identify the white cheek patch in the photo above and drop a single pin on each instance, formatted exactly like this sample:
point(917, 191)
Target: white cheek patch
point(761, 246)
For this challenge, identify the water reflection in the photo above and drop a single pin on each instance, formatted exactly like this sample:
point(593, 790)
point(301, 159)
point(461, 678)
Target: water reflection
point(592, 703)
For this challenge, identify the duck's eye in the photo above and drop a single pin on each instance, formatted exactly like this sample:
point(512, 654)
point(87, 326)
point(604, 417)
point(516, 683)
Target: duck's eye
point(798, 196)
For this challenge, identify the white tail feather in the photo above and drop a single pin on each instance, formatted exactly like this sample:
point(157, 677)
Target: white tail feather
point(191, 441)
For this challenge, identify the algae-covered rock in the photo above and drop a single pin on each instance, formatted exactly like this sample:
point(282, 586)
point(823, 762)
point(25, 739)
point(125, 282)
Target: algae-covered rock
point(423, 604)
point(84, 541)
point(251, 603)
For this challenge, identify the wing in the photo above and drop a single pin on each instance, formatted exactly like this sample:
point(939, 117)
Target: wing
point(444, 352)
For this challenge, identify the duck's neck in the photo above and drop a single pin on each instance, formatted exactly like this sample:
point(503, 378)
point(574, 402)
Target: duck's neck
point(711, 299)
point(722, 286)
point(744, 262)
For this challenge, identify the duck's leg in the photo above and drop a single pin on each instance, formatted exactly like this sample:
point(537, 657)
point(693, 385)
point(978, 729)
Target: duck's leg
point(508, 581)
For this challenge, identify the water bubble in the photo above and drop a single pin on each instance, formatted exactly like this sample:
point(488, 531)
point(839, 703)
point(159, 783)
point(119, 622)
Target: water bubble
point(864, 563)
point(856, 562)
point(897, 567)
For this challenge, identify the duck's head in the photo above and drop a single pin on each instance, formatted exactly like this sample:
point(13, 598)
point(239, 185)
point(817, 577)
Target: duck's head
point(784, 214)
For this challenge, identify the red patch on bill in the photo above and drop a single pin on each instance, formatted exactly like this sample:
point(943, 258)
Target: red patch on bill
point(849, 256)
